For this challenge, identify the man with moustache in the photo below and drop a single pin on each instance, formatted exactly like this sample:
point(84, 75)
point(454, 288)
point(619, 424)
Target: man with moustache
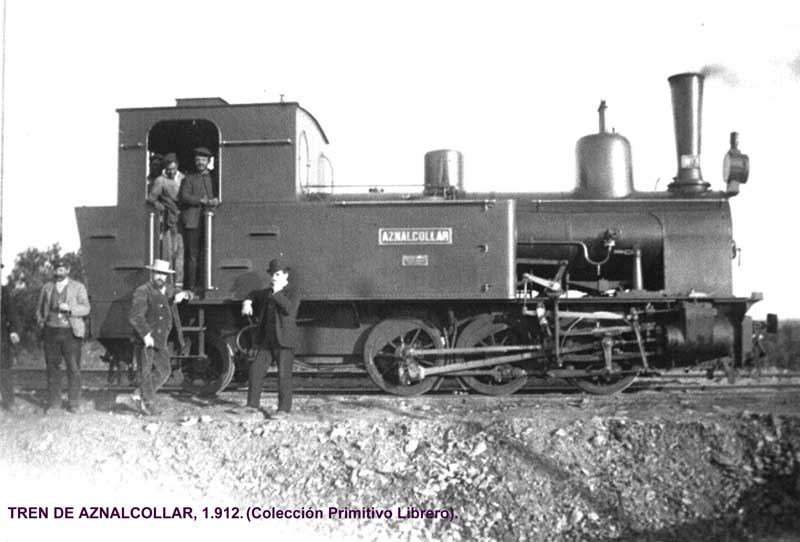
point(196, 196)
point(276, 335)
point(151, 319)
point(63, 304)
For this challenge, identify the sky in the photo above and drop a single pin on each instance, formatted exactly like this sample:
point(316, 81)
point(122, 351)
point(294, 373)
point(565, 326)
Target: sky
point(512, 85)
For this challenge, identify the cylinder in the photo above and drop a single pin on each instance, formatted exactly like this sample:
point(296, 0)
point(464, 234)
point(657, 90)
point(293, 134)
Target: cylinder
point(687, 111)
point(444, 172)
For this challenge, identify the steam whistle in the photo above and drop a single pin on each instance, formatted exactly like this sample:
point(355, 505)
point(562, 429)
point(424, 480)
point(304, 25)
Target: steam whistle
point(735, 167)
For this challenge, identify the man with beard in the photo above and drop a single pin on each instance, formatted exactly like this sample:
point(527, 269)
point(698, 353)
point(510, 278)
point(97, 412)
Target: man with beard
point(60, 313)
point(151, 318)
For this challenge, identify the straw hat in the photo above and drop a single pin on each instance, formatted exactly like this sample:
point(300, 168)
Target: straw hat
point(160, 266)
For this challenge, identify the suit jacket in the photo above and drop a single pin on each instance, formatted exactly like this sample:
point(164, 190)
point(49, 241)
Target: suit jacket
point(77, 299)
point(283, 306)
point(151, 312)
point(194, 187)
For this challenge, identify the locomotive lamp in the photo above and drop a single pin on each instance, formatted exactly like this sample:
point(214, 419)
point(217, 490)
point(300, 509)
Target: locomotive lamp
point(735, 166)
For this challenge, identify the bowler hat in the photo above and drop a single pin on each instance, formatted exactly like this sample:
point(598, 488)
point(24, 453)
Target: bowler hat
point(160, 266)
point(277, 264)
point(202, 151)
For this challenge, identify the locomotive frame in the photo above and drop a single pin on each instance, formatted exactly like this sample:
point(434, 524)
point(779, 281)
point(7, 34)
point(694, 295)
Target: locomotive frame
point(595, 286)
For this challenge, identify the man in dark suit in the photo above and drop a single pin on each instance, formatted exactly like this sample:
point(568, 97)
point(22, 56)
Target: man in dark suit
point(9, 323)
point(196, 195)
point(151, 319)
point(276, 336)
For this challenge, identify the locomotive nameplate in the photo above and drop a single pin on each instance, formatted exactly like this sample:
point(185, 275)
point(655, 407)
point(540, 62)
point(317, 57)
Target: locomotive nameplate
point(415, 260)
point(415, 236)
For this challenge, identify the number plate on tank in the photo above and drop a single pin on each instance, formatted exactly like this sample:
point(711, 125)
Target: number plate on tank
point(415, 260)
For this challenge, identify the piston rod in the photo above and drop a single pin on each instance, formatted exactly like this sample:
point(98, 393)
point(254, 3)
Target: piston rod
point(429, 352)
point(534, 351)
point(477, 364)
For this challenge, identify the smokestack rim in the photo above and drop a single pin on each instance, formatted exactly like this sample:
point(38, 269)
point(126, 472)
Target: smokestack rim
point(685, 75)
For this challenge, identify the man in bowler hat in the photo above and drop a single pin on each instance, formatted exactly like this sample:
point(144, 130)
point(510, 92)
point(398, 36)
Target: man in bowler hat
point(63, 304)
point(151, 319)
point(275, 308)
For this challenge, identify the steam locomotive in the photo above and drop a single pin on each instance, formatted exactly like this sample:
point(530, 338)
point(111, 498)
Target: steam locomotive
point(595, 286)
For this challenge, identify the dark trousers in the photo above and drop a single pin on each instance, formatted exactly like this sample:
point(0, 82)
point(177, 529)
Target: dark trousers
point(154, 370)
point(192, 247)
point(265, 357)
point(6, 374)
point(60, 343)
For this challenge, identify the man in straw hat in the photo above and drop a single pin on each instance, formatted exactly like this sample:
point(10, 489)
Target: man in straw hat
point(151, 318)
point(276, 311)
point(63, 304)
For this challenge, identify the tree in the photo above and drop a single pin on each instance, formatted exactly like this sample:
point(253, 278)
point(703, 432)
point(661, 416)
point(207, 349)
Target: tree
point(32, 269)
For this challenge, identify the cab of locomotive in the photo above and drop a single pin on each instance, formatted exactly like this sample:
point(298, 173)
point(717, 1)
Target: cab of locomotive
point(269, 152)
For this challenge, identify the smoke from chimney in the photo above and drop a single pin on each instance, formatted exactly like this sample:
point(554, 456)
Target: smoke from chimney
point(723, 73)
point(794, 65)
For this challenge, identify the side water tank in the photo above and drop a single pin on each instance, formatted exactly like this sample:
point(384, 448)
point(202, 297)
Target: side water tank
point(603, 164)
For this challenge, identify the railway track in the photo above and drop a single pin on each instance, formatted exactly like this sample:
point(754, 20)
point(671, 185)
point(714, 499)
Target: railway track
point(358, 382)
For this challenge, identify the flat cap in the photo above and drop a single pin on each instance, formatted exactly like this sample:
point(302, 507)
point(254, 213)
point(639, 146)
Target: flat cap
point(169, 158)
point(202, 151)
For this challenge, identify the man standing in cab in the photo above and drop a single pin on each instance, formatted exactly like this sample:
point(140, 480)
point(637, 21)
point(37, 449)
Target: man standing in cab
point(276, 334)
point(63, 304)
point(196, 195)
point(151, 318)
point(164, 197)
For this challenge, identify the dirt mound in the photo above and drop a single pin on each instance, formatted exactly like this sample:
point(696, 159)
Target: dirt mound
point(638, 467)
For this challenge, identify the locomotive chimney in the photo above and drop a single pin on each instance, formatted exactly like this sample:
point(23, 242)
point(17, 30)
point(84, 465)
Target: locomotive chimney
point(687, 111)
